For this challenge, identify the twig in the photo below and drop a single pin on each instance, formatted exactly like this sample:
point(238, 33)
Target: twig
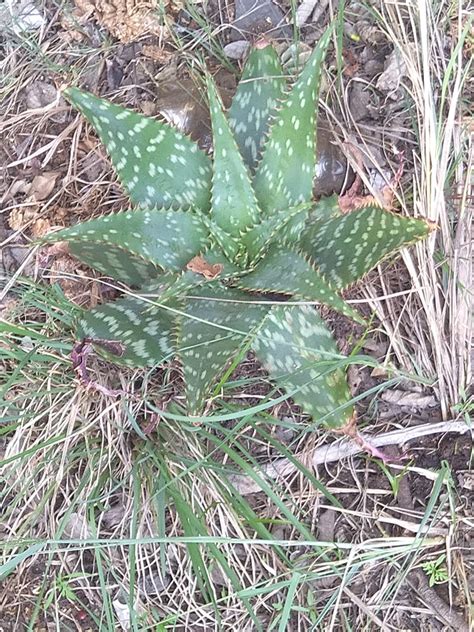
point(342, 449)
point(437, 605)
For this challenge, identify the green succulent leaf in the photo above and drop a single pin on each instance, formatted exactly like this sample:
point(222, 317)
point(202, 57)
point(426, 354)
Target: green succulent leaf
point(164, 238)
point(346, 247)
point(147, 333)
point(157, 165)
point(285, 174)
point(287, 271)
point(327, 207)
point(260, 88)
point(114, 262)
point(285, 225)
point(300, 354)
point(234, 205)
point(221, 320)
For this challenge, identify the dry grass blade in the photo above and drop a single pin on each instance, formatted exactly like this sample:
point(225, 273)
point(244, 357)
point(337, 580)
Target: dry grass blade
point(436, 321)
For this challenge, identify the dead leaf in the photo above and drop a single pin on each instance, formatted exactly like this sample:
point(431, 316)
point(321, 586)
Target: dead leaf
point(385, 195)
point(17, 186)
point(40, 228)
point(148, 108)
point(350, 202)
point(127, 20)
point(376, 348)
point(25, 16)
point(354, 378)
point(208, 270)
point(60, 248)
point(379, 371)
point(157, 53)
point(122, 610)
point(369, 32)
point(351, 64)
point(20, 218)
point(43, 185)
point(391, 78)
point(408, 399)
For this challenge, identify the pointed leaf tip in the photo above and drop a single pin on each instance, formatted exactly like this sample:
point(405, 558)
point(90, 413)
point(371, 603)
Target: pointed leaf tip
point(285, 174)
point(157, 165)
point(300, 354)
point(233, 204)
point(260, 89)
point(346, 247)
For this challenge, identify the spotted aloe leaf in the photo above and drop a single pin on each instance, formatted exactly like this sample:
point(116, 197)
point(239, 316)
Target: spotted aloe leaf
point(260, 89)
point(146, 333)
point(281, 225)
point(346, 247)
point(219, 322)
point(134, 246)
point(300, 354)
point(156, 164)
point(114, 262)
point(234, 205)
point(286, 271)
point(285, 174)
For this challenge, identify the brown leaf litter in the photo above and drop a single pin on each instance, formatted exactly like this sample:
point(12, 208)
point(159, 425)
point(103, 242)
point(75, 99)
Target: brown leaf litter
point(208, 270)
point(127, 20)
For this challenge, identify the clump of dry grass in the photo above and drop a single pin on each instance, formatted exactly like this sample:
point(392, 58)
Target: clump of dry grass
point(430, 330)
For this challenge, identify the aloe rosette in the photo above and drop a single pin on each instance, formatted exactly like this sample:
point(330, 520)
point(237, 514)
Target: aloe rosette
point(209, 243)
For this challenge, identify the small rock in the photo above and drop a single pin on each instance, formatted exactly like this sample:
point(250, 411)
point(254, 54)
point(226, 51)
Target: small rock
point(237, 49)
point(359, 101)
point(154, 584)
point(25, 16)
point(40, 94)
point(390, 80)
point(114, 516)
point(76, 528)
point(255, 17)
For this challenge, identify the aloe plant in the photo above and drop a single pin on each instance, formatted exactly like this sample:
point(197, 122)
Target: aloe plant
point(212, 245)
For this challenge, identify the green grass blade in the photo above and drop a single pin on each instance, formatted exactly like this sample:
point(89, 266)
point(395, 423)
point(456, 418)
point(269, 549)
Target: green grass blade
point(157, 165)
point(260, 88)
point(221, 319)
point(287, 271)
point(289, 601)
point(299, 352)
point(234, 206)
point(285, 174)
point(346, 247)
